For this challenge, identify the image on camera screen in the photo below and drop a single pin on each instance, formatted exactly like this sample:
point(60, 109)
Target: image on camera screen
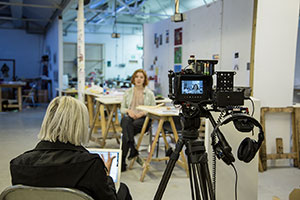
point(192, 86)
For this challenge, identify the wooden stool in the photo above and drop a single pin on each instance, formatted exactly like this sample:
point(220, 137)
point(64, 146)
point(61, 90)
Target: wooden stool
point(263, 156)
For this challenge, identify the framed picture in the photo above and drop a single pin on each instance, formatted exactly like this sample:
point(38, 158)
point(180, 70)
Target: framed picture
point(177, 55)
point(7, 69)
point(167, 36)
point(178, 36)
point(160, 39)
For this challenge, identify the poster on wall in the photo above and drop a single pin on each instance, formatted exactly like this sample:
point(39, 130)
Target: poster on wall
point(160, 39)
point(177, 68)
point(177, 55)
point(178, 36)
point(167, 36)
point(157, 42)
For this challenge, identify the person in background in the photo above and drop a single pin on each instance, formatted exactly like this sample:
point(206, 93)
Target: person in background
point(60, 160)
point(195, 89)
point(133, 120)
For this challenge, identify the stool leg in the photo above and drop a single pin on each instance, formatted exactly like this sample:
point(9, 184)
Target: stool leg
point(146, 165)
point(140, 139)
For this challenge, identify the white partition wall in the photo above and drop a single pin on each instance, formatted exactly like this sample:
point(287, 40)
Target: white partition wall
point(247, 172)
point(274, 65)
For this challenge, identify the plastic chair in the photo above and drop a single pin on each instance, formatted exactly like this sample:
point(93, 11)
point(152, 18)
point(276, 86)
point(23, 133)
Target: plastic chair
point(22, 192)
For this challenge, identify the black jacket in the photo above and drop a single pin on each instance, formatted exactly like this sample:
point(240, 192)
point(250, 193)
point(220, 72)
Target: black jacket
point(56, 164)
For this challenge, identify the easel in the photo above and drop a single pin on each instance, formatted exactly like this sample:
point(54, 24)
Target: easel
point(294, 154)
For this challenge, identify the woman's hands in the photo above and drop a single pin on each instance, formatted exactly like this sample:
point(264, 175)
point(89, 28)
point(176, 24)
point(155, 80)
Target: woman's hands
point(133, 115)
point(108, 162)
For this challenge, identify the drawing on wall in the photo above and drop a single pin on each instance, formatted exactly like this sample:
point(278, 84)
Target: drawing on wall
point(215, 56)
point(167, 36)
point(177, 68)
point(157, 42)
point(7, 70)
point(178, 36)
point(177, 55)
point(160, 39)
point(235, 62)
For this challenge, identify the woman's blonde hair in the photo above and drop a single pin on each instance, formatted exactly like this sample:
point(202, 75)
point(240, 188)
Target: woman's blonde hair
point(66, 120)
point(145, 75)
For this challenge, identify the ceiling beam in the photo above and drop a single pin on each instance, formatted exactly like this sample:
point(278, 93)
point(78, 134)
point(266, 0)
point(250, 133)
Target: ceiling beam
point(24, 19)
point(16, 12)
point(29, 5)
point(57, 12)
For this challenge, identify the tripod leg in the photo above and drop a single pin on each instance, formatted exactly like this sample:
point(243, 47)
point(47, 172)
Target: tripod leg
point(168, 171)
point(191, 180)
point(196, 184)
point(209, 183)
point(202, 182)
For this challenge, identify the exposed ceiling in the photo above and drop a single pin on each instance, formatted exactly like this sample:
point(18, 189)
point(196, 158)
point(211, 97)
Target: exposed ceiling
point(35, 16)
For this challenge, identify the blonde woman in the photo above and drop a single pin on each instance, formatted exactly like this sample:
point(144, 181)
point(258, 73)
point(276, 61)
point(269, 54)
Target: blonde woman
point(133, 120)
point(60, 160)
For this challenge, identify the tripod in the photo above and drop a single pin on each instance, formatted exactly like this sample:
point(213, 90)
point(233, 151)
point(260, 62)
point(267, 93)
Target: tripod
point(200, 180)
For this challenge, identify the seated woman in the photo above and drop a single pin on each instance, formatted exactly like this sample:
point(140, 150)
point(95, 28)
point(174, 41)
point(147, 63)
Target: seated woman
point(60, 160)
point(133, 120)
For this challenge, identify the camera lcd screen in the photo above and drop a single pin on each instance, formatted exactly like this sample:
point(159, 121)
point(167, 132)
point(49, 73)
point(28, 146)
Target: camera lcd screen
point(192, 86)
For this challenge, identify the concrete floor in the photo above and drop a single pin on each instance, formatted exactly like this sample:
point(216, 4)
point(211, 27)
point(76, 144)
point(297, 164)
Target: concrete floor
point(18, 133)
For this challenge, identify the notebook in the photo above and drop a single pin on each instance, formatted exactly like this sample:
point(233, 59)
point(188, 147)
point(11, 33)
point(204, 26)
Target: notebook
point(115, 170)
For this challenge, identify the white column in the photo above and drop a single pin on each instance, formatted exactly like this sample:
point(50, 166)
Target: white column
point(80, 51)
point(60, 54)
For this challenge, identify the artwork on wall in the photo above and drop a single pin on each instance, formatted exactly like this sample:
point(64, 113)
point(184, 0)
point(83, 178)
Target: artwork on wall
point(160, 39)
point(178, 36)
point(177, 55)
point(177, 68)
point(108, 63)
point(157, 42)
point(167, 36)
point(7, 69)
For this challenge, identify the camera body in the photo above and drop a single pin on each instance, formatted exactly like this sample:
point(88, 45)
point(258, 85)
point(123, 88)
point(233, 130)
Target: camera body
point(195, 84)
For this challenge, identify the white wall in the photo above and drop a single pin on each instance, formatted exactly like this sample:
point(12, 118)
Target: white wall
point(274, 66)
point(117, 51)
point(297, 68)
point(247, 188)
point(221, 28)
point(24, 48)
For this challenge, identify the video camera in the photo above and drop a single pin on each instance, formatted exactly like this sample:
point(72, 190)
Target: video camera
point(195, 84)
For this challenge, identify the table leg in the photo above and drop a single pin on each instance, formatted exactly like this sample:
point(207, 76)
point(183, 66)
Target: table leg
point(0, 99)
point(185, 166)
point(165, 139)
point(140, 139)
point(147, 163)
point(102, 118)
point(94, 120)
point(20, 98)
point(109, 121)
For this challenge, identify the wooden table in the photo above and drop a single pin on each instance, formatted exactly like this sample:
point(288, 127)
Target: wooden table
point(162, 114)
point(111, 103)
point(13, 84)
